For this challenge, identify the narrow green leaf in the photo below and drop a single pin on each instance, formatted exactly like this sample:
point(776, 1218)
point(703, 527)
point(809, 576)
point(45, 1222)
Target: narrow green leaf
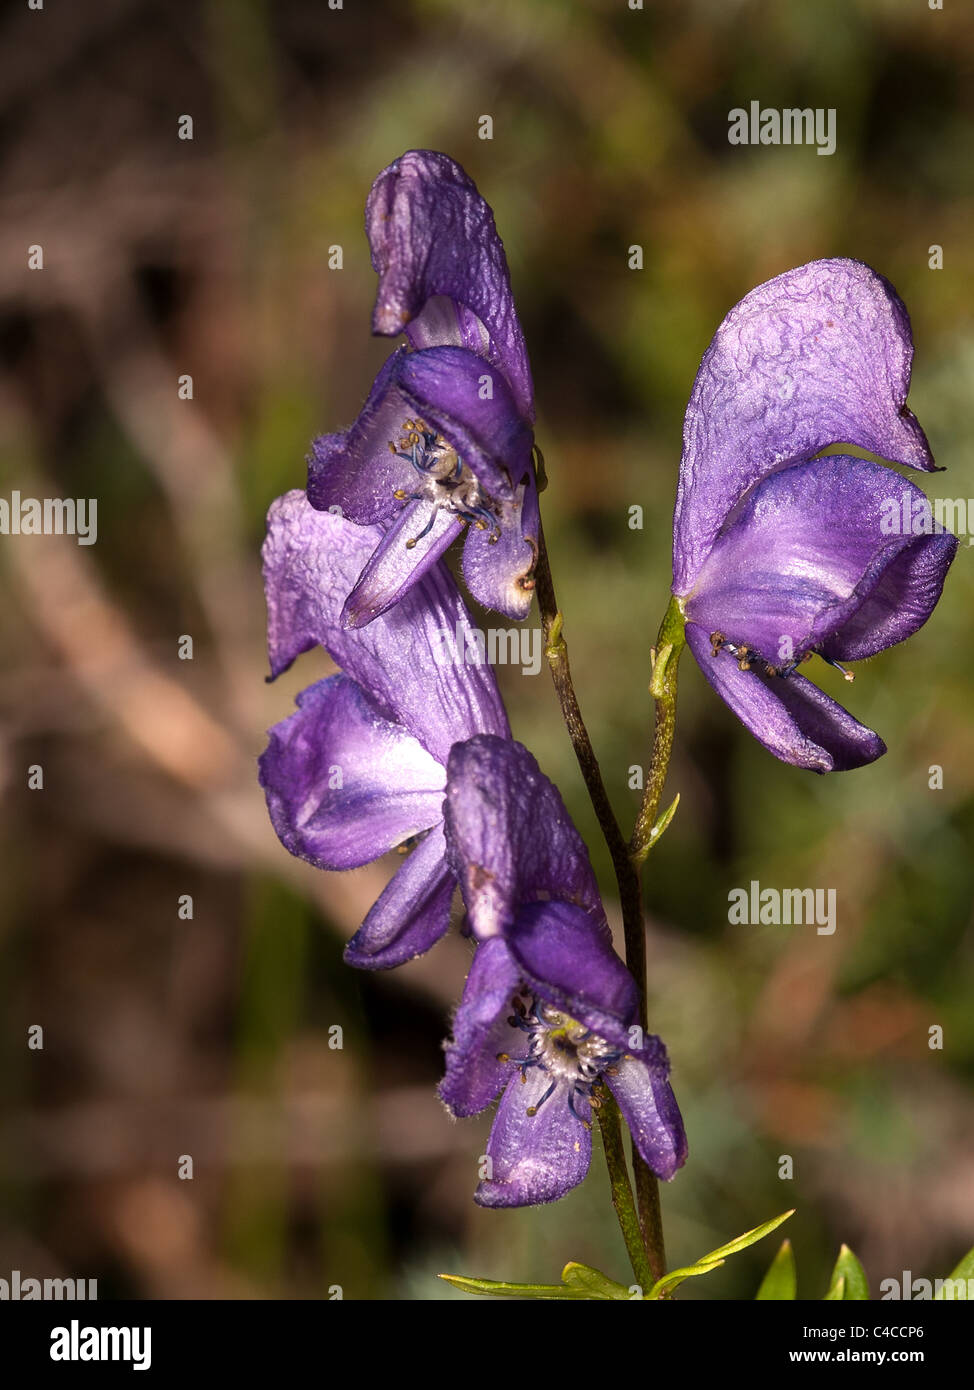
point(496, 1289)
point(956, 1286)
point(852, 1276)
point(716, 1257)
point(836, 1292)
point(781, 1281)
point(593, 1282)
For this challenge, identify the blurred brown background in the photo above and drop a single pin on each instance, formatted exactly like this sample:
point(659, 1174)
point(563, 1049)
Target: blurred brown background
point(316, 1167)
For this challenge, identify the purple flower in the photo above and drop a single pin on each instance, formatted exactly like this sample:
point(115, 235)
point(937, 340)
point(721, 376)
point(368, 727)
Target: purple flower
point(360, 768)
point(443, 443)
point(778, 554)
point(548, 1011)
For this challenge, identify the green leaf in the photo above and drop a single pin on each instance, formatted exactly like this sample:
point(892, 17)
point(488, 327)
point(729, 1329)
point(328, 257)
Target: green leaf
point(658, 829)
point(848, 1273)
point(963, 1272)
point(781, 1281)
point(597, 1284)
point(578, 1282)
point(496, 1289)
point(716, 1257)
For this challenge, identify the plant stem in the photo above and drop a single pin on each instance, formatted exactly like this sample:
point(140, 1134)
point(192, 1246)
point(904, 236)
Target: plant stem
point(662, 687)
point(610, 1123)
point(627, 874)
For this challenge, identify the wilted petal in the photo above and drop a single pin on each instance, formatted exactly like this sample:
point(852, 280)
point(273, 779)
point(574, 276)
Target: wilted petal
point(396, 566)
point(820, 355)
point(566, 957)
point(343, 785)
point(433, 237)
point(807, 549)
point(404, 659)
point(411, 914)
point(497, 798)
point(474, 1075)
point(535, 1158)
point(794, 720)
point(640, 1084)
point(499, 568)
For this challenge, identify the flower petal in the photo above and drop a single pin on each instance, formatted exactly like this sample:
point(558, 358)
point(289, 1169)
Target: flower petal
point(794, 720)
point(534, 1158)
point(446, 387)
point(395, 565)
point(412, 912)
point(820, 355)
point(481, 1031)
point(565, 955)
point(805, 551)
point(640, 1084)
point(499, 566)
point(433, 237)
point(497, 799)
point(312, 560)
point(355, 473)
point(900, 603)
point(343, 785)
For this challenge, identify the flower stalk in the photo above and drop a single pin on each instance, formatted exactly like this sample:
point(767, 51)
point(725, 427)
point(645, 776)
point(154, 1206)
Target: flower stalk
point(627, 872)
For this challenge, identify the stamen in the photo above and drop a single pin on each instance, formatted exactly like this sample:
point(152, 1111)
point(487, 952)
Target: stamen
point(849, 675)
point(532, 1110)
point(425, 532)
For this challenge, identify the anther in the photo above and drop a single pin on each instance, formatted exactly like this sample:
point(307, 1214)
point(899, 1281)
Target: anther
point(849, 675)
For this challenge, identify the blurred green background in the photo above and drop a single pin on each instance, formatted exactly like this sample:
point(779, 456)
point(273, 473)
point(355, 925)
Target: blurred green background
point(315, 1166)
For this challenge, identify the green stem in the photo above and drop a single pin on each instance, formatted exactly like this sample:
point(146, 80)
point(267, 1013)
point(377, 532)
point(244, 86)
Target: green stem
point(662, 687)
point(610, 1123)
point(627, 876)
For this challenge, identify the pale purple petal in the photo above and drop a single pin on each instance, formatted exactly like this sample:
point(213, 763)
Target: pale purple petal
point(355, 472)
point(497, 798)
point(474, 1075)
point(412, 912)
point(806, 550)
point(499, 566)
point(395, 566)
point(343, 785)
point(820, 355)
point(404, 659)
point(534, 1158)
point(794, 720)
point(433, 238)
point(640, 1084)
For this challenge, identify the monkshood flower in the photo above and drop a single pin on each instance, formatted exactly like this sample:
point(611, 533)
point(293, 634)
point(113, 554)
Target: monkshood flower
point(359, 769)
point(443, 443)
point(778, 555)
point(549, 1011)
